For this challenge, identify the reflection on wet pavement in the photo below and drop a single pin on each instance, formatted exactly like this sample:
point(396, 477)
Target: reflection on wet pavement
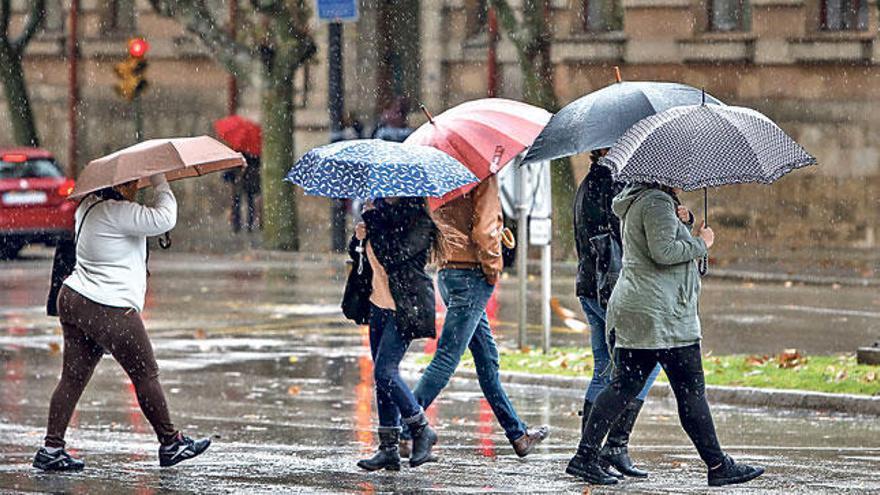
point(267, 366)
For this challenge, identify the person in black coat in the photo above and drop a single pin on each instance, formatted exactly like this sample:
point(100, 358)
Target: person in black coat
point(599, 249)
point(396, 237)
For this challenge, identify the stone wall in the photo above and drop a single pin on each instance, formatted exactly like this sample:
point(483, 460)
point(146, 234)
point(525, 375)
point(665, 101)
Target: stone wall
point(821, 87)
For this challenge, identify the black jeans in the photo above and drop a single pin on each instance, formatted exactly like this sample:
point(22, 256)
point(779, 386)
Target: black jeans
point(684, 368)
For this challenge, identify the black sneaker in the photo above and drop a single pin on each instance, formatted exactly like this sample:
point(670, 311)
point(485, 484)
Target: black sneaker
point(730, 473)
point(59, 461)
point(182, 449)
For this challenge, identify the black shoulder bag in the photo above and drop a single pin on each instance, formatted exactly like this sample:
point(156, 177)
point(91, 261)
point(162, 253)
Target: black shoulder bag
point(63, 263)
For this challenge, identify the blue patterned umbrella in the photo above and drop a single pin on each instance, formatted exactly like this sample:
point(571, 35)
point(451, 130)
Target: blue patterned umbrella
point(372, 168)
point(598, 119)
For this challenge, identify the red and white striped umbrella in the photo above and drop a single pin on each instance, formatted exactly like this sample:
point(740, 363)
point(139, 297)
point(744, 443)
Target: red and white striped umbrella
point(485, 135)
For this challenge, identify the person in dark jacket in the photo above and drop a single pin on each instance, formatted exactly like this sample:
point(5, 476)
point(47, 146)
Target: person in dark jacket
point(654, 316)
point(245, 183)
point(397, 236)
point(597, 239)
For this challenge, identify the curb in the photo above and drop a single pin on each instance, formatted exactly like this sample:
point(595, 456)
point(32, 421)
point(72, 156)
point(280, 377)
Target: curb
point(739, 396)
point(570, 268)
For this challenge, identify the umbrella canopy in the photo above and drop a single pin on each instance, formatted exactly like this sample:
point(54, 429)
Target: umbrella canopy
point(485, 135)
point(701, 146)
point(241, 134)
point(598, 119)
point(178, 158)
point(372, 168)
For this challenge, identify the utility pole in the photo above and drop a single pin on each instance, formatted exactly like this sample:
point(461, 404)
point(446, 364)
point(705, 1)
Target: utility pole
point(336, 107)
point(492, 62)
point(231, 81)
point(73, 88)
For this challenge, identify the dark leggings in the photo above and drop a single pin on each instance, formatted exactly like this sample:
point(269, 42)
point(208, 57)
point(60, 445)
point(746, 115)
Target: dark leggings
point(684, 368)
point(89, 328)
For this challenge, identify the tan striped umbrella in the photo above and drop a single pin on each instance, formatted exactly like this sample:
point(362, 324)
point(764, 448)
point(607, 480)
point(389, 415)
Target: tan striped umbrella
point(178, 158)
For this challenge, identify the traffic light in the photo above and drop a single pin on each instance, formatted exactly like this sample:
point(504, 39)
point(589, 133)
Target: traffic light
point(132, 72)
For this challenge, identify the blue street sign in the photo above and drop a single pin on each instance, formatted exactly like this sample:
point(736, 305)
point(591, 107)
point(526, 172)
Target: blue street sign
point(338, 10)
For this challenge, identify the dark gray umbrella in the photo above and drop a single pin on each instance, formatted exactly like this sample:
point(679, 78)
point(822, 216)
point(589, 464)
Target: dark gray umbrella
point(598, 119)
point(701, 146)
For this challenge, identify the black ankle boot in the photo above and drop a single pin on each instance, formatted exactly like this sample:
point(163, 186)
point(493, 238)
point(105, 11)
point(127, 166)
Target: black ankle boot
point(423, 438)
point(586, 467)
point(730, 473)
point(387, 456)
point(615, 452)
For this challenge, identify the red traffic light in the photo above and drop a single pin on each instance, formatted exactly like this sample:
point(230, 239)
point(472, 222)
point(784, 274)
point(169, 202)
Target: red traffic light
point(137, 47)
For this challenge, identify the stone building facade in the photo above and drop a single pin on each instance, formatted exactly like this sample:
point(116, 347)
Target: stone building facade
point(811, 65)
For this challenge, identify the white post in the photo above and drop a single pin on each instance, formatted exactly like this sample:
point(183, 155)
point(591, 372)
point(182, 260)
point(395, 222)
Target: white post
point(546, 268)
point(522, 248)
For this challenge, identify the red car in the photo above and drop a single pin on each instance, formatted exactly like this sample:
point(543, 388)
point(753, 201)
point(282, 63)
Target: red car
point(33, 200)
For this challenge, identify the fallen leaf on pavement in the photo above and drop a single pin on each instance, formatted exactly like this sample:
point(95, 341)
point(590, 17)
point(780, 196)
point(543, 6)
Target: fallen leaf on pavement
point(200, 334)
point(54, 347)
point(294, 390)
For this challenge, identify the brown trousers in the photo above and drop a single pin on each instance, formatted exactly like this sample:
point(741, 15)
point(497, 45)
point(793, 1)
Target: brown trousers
point(89, 329)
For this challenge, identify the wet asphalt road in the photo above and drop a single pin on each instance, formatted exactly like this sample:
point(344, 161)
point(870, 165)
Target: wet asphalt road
point(255, 353)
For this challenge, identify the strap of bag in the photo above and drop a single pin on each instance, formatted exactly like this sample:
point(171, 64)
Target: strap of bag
point(82, 221)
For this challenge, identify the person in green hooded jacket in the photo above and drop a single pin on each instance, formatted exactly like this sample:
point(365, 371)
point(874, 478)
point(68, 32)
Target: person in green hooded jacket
point(653, 317)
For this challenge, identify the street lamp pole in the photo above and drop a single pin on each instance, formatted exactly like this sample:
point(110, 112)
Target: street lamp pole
point(336, 105)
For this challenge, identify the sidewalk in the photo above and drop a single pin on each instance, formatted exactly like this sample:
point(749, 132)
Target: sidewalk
point(739, 396)
point(864, 271)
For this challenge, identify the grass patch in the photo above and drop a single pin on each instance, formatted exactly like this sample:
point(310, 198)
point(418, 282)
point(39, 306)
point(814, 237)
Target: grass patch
point(791, 370)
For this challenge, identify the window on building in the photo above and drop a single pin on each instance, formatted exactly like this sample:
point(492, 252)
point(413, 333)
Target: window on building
point(56, 14)
point(477, 12)
point(844, 15)
point(728, 15)
point(118, 17)
point(601, 16)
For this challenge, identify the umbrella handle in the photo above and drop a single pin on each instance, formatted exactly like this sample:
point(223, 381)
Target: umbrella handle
point(165, 240)
point(703, 264)
point(360, 250)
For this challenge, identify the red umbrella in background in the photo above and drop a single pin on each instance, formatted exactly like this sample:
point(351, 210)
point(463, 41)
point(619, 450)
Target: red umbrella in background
point(240, 133)
point(484, 134)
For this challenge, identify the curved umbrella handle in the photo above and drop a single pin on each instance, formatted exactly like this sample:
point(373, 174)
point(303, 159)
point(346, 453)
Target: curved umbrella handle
point(165, 240)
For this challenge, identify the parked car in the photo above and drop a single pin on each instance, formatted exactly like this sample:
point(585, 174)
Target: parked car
point(33, 200)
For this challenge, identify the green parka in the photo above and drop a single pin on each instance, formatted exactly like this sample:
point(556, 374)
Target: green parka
point(655, 302)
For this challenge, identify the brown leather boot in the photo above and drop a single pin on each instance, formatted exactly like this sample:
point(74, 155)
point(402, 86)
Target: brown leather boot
point(523, 445)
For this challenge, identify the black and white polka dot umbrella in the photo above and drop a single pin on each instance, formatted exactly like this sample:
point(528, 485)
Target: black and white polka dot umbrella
point(700, 146)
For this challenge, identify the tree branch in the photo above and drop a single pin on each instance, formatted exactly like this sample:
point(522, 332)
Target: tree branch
point(197, 19)
point(4, 20)
point(510, 24)
point(35, 20)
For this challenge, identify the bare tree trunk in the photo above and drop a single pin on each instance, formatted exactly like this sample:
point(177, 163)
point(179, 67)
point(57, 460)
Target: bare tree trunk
point(12, 73)
point(280, 225)
point(24, 129)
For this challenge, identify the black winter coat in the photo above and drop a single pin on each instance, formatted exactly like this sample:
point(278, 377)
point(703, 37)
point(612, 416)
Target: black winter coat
point(401, 236)
point(593, 217)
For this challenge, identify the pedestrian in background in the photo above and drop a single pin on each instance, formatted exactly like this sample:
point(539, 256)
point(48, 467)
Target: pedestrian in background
point(397, 235)
point(99, 307)
point(599, 250)
point(245, 183)
point(653, 318)
point(470, 266)
point(392, 124)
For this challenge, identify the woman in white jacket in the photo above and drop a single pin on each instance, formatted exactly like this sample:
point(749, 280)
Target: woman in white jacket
point(99, 307)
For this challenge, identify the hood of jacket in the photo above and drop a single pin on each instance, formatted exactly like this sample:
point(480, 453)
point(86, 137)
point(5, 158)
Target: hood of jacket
point(621, 203)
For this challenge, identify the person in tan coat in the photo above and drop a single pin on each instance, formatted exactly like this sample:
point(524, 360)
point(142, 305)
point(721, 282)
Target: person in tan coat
point(470, 264)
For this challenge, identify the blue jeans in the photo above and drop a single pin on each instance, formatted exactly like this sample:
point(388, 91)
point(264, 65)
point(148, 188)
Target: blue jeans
point(465, 293)
point(601, 357)
point(393, 397)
